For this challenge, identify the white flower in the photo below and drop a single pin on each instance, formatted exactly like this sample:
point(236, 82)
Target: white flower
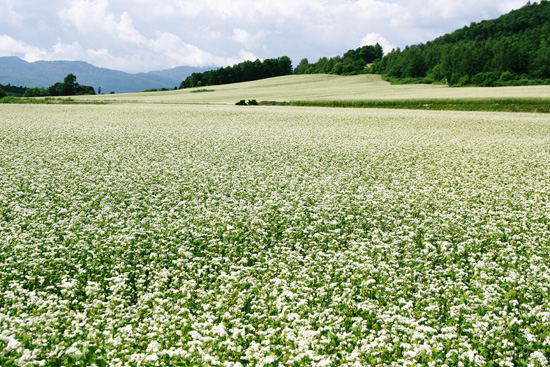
point(219, 330)
point(153, 346)
point(217, 233)
point(151, 358)
point(73, 351)
point(26, 356)
point(538, 356)
point(269, 359)
point(12, 344)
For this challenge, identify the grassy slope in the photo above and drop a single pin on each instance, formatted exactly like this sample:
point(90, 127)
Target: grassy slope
point(326, 87)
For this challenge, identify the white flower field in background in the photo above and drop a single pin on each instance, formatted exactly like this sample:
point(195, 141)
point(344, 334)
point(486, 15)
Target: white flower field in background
point(152, 235)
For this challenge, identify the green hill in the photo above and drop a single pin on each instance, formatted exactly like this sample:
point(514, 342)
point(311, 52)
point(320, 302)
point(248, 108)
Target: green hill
point(513, 49)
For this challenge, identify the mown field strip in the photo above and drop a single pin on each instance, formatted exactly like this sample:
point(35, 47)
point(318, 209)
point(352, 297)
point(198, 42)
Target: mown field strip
point(223, 236)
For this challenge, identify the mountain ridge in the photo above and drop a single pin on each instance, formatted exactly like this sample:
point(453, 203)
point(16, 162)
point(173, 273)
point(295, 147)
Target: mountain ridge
point(42, 73)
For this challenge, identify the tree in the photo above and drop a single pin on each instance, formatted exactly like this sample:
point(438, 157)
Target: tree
point(56, 90)
point(338, 68)
point(85, 89)
point(2, 93)
point(285, 65)
point(540, 65)
point(302, 67)
point(35, 92)
point(352, 62)
point(323, 65)
point(378, 51)
point(70, 86)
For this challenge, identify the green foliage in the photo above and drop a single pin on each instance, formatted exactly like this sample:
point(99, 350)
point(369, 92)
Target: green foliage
point(157, 90)
point(251, 102)
point(35, 92)
point(394, 80)
point(12, 90)
point(243, 72)
point(2, 92)
point(69, 87)
point(302, 67)
point(489, 53)
point(352, 62)
point(486, 79)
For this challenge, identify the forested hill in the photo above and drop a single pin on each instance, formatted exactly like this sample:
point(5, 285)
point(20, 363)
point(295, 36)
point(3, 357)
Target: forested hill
point(513, 49)
point(242, 72)
point(353, 62)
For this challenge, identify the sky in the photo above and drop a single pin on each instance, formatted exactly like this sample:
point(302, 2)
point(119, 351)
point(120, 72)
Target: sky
point(146, 35)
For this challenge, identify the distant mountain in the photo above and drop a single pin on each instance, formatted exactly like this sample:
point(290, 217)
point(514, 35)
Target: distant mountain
point(16, 71)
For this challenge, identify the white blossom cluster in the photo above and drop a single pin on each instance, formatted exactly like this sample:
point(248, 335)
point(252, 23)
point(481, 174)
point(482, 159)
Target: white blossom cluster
point(153, 235)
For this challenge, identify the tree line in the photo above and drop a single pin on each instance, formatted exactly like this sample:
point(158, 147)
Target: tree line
point(242, 72)
point(69, 87)
point(513, 49)
point(11, 90)
point(352, 62)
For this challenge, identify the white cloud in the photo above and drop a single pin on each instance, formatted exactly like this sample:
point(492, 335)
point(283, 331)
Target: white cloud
point(464, 11)
point(127, 32)
point(374, 38)
point(94, 19)
point(59, 51)
point(9, 15)
point(66, 51)
point(248, 39)
point(241, 36)
point(88, 16)
point(507, 6)
point(13, 47)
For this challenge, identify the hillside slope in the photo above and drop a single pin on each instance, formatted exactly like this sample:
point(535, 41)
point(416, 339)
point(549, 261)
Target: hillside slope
point(513, 49)
point(322, 87)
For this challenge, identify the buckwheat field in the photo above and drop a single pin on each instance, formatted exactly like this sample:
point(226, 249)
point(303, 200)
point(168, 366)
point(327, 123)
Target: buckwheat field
point(206, 235)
